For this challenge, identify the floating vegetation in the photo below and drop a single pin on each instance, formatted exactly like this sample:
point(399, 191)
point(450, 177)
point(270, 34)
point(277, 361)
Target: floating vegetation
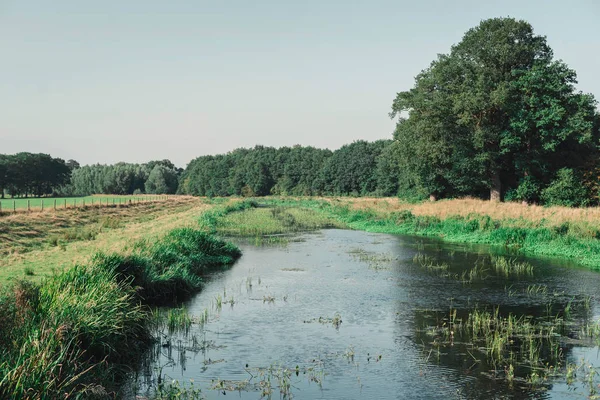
point(335, 321)
point(268, 380)
point(429, 263)
point(268, 225)
point(173, 389)
point(376, 261)
point(293, 269)
point(478, 272)
point(218, 302)
point(178, 319)
point(211, 362)
point(268, 299)
point(536, 290)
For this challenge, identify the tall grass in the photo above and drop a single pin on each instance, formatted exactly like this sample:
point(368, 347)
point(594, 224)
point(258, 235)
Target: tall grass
point(256, 221)
point(74, 334)
point(574, 239)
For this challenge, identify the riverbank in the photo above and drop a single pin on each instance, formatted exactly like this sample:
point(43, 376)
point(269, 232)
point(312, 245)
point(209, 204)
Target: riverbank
point(570, 234)
point(34, 245)
point(77, 332)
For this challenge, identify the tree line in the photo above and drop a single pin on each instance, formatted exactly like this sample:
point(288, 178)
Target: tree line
point(354, 169)
point(497, 117)
point(154, 177)
point(28, 174)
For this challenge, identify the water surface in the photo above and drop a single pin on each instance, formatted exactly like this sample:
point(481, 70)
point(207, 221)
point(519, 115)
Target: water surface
point(345, 313)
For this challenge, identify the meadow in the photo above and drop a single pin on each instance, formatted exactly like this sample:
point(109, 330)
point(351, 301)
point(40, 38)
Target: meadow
point(75, 332)
point(33, 245)
point(18, 204)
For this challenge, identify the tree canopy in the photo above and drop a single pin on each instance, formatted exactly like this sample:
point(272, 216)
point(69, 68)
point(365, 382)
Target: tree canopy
point(28, 174)
point(495, 113)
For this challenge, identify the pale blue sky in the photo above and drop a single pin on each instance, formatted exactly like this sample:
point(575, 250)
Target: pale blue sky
point(135, 80)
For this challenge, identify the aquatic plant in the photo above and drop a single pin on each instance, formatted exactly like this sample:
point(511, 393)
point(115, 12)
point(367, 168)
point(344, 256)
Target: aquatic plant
point(508, 267)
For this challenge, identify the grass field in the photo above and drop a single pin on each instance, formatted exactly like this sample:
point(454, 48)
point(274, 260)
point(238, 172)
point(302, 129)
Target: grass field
point(32, 245)
point(79, 332)
point(47, 203)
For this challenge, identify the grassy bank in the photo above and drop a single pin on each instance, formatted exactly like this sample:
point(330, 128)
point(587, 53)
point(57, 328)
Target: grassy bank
point(33, 245)
point(572, 234)
point(75, 333)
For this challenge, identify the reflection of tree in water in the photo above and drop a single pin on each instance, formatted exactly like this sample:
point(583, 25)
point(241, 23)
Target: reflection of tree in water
point(500, 337)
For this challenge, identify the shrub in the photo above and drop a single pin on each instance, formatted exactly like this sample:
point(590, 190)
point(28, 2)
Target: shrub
point(566, 190)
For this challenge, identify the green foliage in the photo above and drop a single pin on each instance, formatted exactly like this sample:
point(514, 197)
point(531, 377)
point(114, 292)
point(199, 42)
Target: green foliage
point(496, 113)
point(354, 169)
point(25, 174)
point(76, 334)
point(528, 190)
point(68, 334)
point(155, 177)
point(161, 180)
point(275, 220)
point(573, 241)
point(566, 189)
point(351, 170)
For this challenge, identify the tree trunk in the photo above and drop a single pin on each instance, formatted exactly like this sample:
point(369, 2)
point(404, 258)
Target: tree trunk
point(432, 197)
point(496, 189)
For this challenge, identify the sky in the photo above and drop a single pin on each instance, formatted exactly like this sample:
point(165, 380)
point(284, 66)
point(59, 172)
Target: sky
point(138, 80)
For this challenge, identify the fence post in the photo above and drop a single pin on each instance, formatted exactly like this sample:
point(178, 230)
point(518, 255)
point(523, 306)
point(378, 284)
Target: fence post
point(42, 204)
point(14, 206)
point(54, 204)
point(83, 205)
point(0, 207)
point(65, 203)
point(28, 207)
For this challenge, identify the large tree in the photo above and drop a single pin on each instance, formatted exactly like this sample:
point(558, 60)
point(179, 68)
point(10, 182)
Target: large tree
point(498, 100)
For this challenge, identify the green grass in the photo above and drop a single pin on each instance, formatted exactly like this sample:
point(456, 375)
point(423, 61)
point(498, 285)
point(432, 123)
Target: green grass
point(76, 333)
point(568, 241)
point(263, 221)
point(48, 241)
point(20, 204)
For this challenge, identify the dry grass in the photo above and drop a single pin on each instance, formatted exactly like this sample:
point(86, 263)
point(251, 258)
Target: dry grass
point(464, 207)
point(27, 241)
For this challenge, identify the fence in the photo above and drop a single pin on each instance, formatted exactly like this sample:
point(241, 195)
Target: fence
point(46, 204)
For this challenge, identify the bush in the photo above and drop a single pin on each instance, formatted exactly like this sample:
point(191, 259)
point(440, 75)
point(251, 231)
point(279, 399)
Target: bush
point(528, 190)
point(566, 190)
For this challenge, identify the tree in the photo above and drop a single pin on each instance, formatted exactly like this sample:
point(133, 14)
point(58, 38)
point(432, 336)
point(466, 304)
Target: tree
point(162, 180)
point(499, 99)
point(72, 164)
point(351, 170)
point(4, 177)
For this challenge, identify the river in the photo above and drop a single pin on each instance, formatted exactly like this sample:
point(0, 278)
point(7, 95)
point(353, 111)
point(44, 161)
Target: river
point(341, 314)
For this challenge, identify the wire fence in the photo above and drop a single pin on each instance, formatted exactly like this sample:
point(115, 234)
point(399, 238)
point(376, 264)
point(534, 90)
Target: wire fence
point(21, 205)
